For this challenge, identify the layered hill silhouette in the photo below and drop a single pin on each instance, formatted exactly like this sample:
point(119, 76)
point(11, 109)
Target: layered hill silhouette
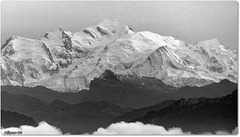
point(78, 118)
point(109, 88)
point(197, 115)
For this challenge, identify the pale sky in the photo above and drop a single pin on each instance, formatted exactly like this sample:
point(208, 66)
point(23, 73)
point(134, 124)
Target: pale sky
point(189, 21)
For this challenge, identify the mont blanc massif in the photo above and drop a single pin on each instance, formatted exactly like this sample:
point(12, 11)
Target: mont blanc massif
point(107, 75)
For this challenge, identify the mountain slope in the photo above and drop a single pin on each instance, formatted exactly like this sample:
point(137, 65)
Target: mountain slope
point(197, 115)
point(44, 94)
point(129, 116)
point(68, 62)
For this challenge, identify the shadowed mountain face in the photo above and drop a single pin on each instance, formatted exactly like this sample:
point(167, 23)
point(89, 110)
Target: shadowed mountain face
point(197, 115)
point(79, 118)
point(13, 119)
point(110, 88)
point(114, 89)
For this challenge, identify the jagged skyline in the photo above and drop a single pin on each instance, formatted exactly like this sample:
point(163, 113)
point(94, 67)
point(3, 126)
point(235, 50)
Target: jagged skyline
point(190, 21)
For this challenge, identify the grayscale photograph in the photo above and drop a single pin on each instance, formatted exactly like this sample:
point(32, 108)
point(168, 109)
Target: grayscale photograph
point(119, 67)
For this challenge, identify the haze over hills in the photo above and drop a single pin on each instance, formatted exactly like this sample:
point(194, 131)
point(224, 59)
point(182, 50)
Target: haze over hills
point(68, 62)
point(78, 118)
point(210, 114)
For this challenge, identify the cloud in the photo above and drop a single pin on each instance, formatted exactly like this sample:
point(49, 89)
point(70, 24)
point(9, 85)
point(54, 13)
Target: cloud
point(147, 129)
point(221, 132)
point(138, 128)
point(120, 128)
point(235, 131)
point(42, 128)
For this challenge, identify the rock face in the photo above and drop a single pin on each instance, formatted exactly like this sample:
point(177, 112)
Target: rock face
point(68, 62)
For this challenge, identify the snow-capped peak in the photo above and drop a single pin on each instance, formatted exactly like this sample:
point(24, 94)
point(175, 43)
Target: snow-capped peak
point(68, 62)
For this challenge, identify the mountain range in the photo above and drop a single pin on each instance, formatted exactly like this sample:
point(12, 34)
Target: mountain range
point(107, 73)
point(68, 62)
